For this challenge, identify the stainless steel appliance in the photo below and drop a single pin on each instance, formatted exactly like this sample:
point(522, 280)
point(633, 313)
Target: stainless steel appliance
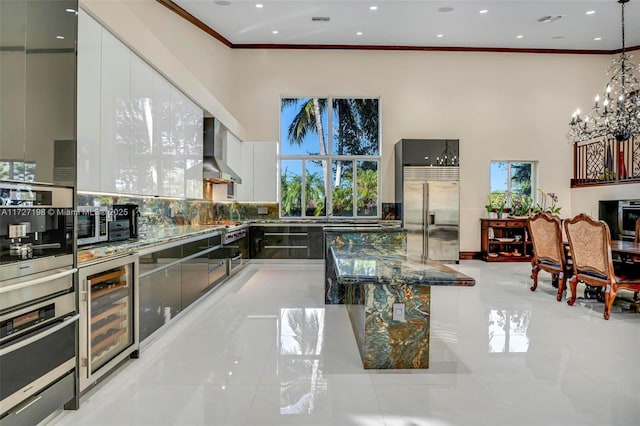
point(93, 224)
point(235, 244)
point(128, 213)
point(38, 319)
point(431, 212)
point(108, 316)
point(628, 214)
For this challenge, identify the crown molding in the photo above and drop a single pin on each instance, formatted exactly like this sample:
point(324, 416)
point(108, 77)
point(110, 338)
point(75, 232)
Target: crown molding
point(213, 33)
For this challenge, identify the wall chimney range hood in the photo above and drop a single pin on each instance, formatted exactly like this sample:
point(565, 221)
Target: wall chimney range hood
point(215, 168)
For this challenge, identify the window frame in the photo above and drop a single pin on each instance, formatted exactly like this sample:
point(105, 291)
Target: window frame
point(330, 158)
point(534, 173)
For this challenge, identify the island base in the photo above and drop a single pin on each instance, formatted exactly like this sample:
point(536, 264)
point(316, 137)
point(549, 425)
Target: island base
point(385, 343)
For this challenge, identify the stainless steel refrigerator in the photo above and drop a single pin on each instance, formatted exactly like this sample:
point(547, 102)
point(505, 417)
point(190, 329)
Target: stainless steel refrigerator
point(431, 214)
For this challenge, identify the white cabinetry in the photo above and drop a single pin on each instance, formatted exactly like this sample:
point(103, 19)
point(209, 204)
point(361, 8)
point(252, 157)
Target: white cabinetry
point(115, 126)
point(234, 153)
point(193, 145)
point(259, 172)
point(88, 115)
point(137, 133)
point(142, 162)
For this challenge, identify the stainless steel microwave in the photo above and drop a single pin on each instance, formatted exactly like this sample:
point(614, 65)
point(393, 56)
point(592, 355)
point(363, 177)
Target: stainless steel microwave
point(93, 224)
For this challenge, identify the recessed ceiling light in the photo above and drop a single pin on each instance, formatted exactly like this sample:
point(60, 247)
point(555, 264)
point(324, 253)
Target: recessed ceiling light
point(519, 36)
point(60, 37)
point(598, 38)
point(259, 5)
point(590, 12)
point(274, 32)
point(373, 7)
point(222, 2)
point(70, 10)
point(440, 35)
point(359, 33)
point(483, 11)
point(445, 9)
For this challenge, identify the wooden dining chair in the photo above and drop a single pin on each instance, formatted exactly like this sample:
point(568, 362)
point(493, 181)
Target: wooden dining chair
point(590, 244)
point(548, 251)
point(637, 238)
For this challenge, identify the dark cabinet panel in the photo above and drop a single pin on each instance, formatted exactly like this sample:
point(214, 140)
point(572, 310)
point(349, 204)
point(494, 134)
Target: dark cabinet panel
point(286, 242)
point(37, 82)
point(160, 299)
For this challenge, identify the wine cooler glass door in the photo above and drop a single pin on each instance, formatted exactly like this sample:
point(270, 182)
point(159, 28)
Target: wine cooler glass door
point(110, 319)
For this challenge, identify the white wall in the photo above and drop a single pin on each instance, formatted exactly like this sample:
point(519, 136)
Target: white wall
point(501, 106)
point(585, 200)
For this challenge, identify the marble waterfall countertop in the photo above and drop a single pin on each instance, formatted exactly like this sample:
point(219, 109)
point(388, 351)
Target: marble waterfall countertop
point(159, 236)
point(387, 264)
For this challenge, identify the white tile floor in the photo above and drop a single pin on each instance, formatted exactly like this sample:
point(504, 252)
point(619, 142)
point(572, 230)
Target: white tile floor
point(264, 350)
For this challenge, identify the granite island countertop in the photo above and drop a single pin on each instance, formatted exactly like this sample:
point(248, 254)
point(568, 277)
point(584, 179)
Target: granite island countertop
point(159, 236)
point(387, 264)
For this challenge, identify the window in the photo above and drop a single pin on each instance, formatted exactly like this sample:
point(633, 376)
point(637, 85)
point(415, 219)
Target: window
point(329, 157)
point(511, 180)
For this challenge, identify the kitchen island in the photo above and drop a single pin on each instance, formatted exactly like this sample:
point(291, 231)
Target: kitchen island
point(388, 298)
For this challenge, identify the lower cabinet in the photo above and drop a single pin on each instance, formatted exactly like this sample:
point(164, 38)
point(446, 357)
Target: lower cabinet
point(173, 278)
point(160, 299)
point(286, 242)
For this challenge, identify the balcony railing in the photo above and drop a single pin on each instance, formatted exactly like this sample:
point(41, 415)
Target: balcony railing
point(606, 162)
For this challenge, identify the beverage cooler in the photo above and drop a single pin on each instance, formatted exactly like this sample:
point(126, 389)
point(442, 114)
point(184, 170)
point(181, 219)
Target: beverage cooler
point(108, 316)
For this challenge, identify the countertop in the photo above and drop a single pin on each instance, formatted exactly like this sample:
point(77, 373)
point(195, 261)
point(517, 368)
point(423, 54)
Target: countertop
point(168, 234)
point(386, 264)
point(160, 236)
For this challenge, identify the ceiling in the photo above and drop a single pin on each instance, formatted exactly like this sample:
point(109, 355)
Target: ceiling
point(422, 23)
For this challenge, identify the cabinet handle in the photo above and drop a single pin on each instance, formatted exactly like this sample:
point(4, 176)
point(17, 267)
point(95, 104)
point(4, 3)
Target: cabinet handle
point(28, 404)
point(38, 281)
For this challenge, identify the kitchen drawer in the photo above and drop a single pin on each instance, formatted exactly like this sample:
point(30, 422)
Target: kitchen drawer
point(33, 410)
point(507, 223)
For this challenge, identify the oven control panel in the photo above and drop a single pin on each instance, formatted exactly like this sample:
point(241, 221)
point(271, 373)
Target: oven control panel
point(233, 235)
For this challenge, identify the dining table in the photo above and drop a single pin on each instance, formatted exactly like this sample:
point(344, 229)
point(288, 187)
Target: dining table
point(627, 248)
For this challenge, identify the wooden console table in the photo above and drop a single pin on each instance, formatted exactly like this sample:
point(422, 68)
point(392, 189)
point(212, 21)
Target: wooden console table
point(510, 241)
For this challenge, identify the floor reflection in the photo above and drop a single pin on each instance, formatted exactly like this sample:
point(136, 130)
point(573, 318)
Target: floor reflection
point(508, 330)
point(303, 390)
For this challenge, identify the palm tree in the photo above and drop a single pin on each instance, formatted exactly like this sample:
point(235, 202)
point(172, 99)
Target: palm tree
point(357, 127)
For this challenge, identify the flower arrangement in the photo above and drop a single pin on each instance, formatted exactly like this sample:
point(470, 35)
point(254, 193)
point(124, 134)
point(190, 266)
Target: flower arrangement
point(542, 206)
point(521, 205)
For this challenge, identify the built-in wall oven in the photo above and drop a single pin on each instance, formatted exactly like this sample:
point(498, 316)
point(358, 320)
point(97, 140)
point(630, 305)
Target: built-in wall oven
point(628, 215)
point(38, 319)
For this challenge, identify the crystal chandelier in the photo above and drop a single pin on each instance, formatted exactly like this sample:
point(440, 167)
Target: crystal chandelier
point(615, 115)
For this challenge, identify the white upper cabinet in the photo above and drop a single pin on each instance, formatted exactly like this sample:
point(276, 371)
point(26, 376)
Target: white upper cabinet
point(234, 153)
point(115, 123)
point(259, 172)
point(265, 171)
point(193, 140)
point(137, 133)
point(143, 164)
point(244, 191)
point(88, 121)
point(170, 177)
